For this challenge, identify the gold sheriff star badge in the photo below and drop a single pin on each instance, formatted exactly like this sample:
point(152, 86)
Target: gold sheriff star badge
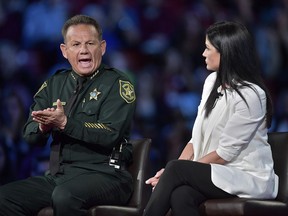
point(94, 94)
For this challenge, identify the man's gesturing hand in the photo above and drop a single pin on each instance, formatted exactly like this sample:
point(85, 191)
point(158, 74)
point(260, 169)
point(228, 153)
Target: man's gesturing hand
point(50, 117)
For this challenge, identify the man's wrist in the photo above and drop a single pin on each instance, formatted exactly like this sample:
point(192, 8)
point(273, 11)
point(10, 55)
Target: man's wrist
point(42, 129)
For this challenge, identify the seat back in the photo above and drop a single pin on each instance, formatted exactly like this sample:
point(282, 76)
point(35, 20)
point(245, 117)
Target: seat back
point(279, 146)
point(140, 171)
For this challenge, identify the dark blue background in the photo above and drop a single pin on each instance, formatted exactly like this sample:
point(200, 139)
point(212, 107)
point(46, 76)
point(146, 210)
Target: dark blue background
point(159, 43)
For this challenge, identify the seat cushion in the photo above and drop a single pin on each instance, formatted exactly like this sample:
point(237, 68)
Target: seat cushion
point(241, 206)
point(48, 211)
point(108, 210)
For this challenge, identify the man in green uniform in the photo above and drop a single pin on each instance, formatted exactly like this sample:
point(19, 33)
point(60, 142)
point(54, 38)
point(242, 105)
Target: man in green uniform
point(88, 111)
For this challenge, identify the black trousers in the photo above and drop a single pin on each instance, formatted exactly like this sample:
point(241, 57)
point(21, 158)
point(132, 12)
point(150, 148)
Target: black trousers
point(183, 186)
point(69, 194)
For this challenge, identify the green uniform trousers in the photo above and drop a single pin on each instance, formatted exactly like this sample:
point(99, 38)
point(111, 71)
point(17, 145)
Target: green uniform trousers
point(69, 194)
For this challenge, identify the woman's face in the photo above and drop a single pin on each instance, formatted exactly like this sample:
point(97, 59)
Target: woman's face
point(212, 56)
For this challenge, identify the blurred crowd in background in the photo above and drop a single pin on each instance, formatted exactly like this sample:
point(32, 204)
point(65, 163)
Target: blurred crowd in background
point(159, 43)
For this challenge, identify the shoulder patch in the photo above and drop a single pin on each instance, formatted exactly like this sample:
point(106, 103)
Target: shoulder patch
point(126, 91)
point(44, 85)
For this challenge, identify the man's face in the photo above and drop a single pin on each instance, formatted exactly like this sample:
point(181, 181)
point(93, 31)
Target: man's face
point(83, 49)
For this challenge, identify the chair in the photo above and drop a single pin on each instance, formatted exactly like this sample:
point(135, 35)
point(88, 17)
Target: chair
point(140, 172)
point(256, 207)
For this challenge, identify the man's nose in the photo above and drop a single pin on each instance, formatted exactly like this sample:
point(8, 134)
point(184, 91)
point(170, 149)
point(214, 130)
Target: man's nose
point(84, 48)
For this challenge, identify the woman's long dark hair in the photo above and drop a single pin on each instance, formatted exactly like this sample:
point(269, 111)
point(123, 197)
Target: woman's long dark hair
point(238, 63)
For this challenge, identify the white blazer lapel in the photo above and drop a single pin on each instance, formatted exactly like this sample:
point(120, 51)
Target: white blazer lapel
point(216, 115)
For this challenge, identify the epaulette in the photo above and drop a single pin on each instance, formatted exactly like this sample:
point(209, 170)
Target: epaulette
point(44, 85)
point(106, 67)
point(61, 70)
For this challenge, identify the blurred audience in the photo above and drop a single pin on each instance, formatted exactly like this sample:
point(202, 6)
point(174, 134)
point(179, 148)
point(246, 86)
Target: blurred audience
point(7, 169)
point(157, 42)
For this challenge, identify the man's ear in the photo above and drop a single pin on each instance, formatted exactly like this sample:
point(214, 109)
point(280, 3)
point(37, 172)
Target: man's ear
point(63, 50)
point(103, 47)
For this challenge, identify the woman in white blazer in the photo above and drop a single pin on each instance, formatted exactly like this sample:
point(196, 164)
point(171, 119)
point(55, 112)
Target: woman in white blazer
point(228, 154)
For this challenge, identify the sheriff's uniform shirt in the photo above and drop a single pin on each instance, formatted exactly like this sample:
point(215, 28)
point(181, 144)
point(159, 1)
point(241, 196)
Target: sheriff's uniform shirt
point(100, 119)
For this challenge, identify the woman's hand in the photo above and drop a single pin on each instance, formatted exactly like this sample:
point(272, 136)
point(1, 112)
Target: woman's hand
point(154, 180)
